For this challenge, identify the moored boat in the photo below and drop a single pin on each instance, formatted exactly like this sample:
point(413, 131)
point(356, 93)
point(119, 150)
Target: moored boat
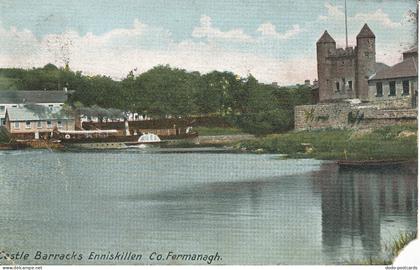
point(110, 139)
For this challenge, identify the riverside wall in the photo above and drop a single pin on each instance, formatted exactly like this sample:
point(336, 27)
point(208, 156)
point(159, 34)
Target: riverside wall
point(347, 115)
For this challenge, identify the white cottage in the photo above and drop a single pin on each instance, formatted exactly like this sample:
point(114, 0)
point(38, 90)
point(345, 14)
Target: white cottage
point(18, 98)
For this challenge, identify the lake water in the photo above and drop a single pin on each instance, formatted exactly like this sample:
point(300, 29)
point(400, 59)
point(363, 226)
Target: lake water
point(251, 209)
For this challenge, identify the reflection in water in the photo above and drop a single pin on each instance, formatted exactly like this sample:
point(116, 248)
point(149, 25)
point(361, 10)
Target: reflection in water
point(252, 209)
point(358, 206)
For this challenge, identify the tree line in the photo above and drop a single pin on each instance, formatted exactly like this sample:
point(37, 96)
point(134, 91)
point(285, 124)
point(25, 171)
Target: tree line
point(166, 91)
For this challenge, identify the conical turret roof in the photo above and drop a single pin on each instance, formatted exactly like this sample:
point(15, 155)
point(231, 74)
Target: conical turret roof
point(326, 38)
point(366, 32)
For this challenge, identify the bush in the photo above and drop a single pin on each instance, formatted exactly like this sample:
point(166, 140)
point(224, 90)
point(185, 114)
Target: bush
point(265, 122)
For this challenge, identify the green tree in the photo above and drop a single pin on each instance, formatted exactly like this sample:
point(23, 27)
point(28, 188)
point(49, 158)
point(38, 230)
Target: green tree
point(168, 91)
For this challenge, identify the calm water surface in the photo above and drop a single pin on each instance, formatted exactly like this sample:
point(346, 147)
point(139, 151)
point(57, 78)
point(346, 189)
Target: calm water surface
point(252, 209)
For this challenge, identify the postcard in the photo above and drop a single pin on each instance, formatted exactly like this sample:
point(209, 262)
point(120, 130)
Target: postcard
point(196, 132)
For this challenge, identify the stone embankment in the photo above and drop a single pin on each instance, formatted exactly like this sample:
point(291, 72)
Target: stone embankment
point(223, 139)
point(346, 115)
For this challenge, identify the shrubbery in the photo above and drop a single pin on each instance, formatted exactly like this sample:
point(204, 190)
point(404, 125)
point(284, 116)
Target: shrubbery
point(382, 143)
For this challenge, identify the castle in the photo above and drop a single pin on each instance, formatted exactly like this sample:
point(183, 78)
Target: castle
point(344, 73)
point(354, 91)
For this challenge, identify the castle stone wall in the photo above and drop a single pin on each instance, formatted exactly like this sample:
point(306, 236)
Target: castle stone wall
point(345, 115)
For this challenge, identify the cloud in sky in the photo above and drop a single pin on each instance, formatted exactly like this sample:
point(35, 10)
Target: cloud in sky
point(206, 30)
point(118, 51)
point(269, 30)
point(378, 16)
point(270, 51)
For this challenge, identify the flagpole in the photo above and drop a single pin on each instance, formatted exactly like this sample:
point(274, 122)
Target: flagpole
point(345, 15)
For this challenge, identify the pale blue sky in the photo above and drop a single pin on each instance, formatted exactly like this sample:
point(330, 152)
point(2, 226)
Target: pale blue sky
point(269, 38)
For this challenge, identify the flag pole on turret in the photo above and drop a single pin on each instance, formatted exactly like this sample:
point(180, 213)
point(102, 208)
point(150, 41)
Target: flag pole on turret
point(345, 16)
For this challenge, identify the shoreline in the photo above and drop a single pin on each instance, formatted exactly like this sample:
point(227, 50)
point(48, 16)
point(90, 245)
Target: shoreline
point(386, 143)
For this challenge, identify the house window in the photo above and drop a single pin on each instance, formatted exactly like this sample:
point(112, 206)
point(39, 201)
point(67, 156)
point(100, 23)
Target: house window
point(59, 124)
point(379, 89)
point(337, 86)
point(28, 124)
point(14, 106)
point(16, 124)
point(350, 85)
point(2, 108)
point(343, 81)
point(406, 88)
point(49, 123)
point(38, 124)
point(392, 88)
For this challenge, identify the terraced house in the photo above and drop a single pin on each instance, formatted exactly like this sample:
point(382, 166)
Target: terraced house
point(14, 99)
point(37, 122)
point(28, 114)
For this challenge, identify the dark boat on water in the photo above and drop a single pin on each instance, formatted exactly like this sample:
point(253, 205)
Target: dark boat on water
point(371, 163)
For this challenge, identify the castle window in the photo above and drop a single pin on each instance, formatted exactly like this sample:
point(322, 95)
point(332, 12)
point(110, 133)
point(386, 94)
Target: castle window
point(406, 88)
point(379, 92)
point(337, 86)
point(350, 85)
point(343, 83)
point(392, 88)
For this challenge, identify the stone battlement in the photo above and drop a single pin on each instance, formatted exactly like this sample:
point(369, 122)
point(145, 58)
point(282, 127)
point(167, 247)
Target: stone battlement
point(341, 52)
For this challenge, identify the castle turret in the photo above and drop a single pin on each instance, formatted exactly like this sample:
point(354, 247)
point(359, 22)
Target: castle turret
point(365, 61)
point(325, 45)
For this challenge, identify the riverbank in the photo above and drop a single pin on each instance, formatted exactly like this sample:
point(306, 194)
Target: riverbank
point(391, 142)
point(391, 250)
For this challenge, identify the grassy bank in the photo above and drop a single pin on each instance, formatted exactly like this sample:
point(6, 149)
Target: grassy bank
point(391, 142)
point(390, 250)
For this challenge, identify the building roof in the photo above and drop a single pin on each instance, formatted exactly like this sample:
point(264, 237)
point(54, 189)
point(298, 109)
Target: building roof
point(405, 69)
point(412, 50)
point(326, 38)
point(365, 32)
point(36, 113)
point(25, 96)
point(379, 66)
